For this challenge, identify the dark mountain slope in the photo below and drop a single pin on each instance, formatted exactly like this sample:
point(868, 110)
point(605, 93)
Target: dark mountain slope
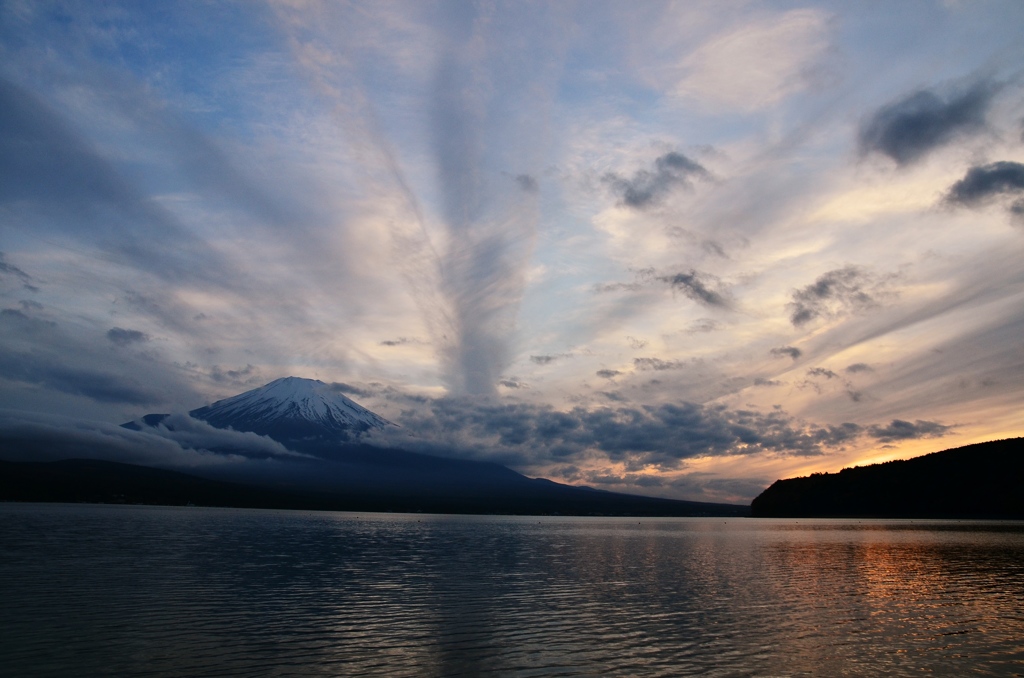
point(976, 481)
point(94, 481)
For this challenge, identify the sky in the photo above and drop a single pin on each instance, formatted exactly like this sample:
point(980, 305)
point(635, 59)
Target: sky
point(677, 249)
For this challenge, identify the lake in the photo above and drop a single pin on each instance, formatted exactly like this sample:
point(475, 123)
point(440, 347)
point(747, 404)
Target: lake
point(165, 591)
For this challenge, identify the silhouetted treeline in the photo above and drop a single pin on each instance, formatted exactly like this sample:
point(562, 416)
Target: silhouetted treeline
point(976, 481)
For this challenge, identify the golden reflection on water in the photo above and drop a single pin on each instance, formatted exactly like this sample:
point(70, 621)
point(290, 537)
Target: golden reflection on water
point(204, 592)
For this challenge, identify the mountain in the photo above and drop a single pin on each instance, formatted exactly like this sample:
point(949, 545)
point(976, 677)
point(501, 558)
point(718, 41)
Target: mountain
point(974, 481)
point(336, 467)
point(289, 409)
point(107, 482)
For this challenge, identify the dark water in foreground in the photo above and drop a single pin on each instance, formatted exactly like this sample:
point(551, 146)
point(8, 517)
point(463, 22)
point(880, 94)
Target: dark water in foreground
point(98, 590)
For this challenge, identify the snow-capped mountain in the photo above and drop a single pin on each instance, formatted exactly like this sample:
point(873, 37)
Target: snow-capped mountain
point(293, 408)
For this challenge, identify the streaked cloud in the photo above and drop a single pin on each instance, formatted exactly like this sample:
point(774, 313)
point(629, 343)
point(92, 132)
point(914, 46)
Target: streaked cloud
point(758, 63)
point(775, 235)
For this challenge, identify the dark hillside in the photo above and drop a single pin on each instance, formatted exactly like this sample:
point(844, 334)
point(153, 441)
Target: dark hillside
point(95, 481)
point(976, 481)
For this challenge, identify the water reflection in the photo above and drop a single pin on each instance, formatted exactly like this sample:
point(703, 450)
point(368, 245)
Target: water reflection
point(152, 591)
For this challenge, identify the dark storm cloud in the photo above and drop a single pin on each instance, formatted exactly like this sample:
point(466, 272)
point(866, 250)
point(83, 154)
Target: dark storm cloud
point(521, 434)
point(123, 337)
point(858, 367)
point(648, 187)
point(987, 182)
point(698, 286)
point(848, 289)
point(898, 429)
point(910, 128)
point(104, 387)
point(608, 374)
point(527, 183)
point(790, 351)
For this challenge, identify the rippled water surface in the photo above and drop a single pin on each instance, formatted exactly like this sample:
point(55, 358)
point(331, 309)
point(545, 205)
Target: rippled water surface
point(115, 590)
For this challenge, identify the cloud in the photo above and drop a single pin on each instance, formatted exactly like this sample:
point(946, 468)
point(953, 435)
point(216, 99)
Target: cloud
point(12, 270)
point(656, 364)
point(649, 187)
point(349, 389)
point(984, 183)
point(192, 433)
point(636, 344)
point(822, 372)
point(761, 381)
point(400, 341)
point(703, 325)
point(244, 376)
point(46, 166)
point(527, 183)
point(910, 128)
point(123, 337)
point(898, 429)
point(490, 232)
point(44, 437)
point(757, 64)
point(103, 387)
point(511, 383)
point(526, 435)
point(618, 287)
point(858, 367)
point(700, 287)
point(848, 289)
point(548, 359)
point(608, 374)
point(784, 351)
point(65, 358)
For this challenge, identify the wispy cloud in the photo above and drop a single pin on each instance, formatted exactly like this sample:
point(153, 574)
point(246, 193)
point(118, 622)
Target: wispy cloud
point(648, 187)
point(849, 289)
point(420, 199)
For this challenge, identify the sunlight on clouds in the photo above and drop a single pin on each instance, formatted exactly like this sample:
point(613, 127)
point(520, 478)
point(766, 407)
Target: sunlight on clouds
point(597, 209)
point(756, 65)
point(864, 203)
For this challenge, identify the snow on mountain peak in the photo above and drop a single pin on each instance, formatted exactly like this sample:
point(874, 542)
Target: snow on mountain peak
point(292, 399)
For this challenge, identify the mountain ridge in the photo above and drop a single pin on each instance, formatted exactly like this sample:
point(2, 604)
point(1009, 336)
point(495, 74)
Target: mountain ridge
point(973, 481)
